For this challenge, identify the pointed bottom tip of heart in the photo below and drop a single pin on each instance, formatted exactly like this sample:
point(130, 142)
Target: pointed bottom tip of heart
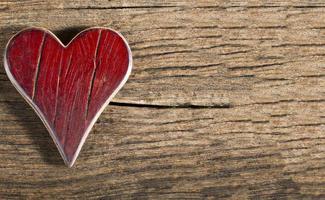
point(70, 165)
point(68, 161)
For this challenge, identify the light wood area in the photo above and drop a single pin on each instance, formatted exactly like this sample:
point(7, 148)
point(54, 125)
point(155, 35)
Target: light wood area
point(225, 100)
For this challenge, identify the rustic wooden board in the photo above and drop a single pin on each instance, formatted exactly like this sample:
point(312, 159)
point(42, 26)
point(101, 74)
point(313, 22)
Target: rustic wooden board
point(226, 100)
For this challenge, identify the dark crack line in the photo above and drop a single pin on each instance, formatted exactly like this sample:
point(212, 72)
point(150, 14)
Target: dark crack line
point(189, 106)
point(93, 76)
point(38, 66)
point(117, 7)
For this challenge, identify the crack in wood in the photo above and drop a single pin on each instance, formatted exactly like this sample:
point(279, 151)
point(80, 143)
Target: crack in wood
point(185, 67)
point(164, 53)
point(93, 75)
point(182, 106)
point(38, 65)
point(255, 66)
point(57, 88)
point(117, 7)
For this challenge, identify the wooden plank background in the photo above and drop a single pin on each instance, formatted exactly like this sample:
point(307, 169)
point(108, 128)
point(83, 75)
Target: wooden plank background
point(226, 100)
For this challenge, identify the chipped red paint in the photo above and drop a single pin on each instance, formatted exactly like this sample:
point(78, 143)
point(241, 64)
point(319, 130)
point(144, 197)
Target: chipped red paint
point(68, 86)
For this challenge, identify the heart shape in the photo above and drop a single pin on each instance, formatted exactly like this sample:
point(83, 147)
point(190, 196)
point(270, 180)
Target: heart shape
point(68, 86)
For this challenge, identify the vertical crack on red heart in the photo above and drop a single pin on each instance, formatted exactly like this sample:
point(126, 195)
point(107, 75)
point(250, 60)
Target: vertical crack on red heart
point(38, 65)
point(93, 75)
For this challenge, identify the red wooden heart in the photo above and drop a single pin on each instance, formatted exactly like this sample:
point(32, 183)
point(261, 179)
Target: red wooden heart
point(68, 86)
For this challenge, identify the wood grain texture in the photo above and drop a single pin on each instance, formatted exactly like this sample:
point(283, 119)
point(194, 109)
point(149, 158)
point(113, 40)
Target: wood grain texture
point(226, 100)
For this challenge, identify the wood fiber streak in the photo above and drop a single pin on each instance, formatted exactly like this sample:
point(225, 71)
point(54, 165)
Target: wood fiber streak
point(225, 101)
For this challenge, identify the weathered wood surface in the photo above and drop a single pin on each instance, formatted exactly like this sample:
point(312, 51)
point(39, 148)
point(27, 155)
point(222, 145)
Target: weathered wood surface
point(226, 100)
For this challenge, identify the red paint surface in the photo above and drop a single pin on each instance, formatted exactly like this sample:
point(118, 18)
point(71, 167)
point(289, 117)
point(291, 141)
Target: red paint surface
point(68, 84)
